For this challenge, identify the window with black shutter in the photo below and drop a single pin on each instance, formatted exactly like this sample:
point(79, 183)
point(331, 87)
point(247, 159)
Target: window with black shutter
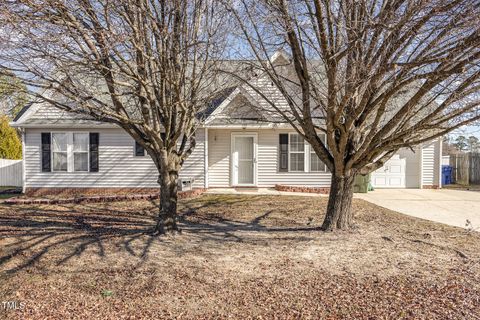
point(94, 138)
point(46, 155)
point(69, 151)
point(283, 154)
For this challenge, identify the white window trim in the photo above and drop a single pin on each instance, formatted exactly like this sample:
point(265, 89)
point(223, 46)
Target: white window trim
point(87, 152)
point(305, 161)
point(52, 151)
point(70, 153)
point(306, 157)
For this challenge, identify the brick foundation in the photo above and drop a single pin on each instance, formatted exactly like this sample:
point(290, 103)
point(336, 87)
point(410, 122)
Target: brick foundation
point(86, 198)
point(78, 192)
point(322, 190)
point(430, 186)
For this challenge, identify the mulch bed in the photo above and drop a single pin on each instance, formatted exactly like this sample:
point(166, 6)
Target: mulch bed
point(98, 199)
point(10, 190)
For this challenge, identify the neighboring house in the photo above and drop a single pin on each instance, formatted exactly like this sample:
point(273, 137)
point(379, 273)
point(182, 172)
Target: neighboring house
point(238, 146)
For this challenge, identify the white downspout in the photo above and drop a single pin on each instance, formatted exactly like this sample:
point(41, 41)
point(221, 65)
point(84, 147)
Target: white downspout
point(421, 166)
point(205, 158)
point(24, 175)
point(440, 152)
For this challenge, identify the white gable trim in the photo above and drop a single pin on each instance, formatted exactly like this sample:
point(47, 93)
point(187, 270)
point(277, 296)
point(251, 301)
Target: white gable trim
point(279, 54)
point(241, 90)
point(217, 113)
point(223, 105)
point(27, 114)
point(23, 122)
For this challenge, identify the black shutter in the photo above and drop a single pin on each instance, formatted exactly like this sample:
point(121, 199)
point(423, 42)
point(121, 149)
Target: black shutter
point(283, 161)
point(139, 150)
point(94, 141)
point(46, 155)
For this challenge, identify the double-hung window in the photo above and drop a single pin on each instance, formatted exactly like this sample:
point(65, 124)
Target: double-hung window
point(301, 156)
point(60, 151)
point(80, 151)
point(70, 151)
point(296, 153)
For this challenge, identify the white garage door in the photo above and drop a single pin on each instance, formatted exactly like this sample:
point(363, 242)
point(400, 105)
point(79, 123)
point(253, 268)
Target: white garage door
point(391, 175)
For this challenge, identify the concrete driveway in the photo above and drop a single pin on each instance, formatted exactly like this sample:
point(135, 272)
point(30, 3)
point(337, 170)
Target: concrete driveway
point(451, 207)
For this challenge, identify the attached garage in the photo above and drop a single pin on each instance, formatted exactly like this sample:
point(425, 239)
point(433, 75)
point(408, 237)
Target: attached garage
point(417, 168)
point(391, 175)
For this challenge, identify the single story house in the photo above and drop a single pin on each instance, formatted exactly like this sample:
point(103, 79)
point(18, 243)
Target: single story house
point(63, 151)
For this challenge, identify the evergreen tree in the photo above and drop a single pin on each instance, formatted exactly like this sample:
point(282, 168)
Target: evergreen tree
point(473, 144)
point(10, 144)
point(461, 143)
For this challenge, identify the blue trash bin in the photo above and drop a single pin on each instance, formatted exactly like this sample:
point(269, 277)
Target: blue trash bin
point(447, 174)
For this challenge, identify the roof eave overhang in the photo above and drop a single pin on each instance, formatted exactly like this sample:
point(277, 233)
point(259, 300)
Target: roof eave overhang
point(249, 126)
point(62, 125)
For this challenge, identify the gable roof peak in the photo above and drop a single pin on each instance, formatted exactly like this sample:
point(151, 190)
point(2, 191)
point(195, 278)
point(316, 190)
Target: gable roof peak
point(280, 55)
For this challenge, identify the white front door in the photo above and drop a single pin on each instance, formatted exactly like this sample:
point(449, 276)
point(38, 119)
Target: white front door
point(391, 175)
point(244, 159)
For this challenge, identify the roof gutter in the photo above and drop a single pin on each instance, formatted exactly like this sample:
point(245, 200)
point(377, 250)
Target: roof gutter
point(62, 125)
point(249, 126)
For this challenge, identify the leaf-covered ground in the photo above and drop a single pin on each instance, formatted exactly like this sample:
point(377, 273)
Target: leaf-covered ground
point(239, 257)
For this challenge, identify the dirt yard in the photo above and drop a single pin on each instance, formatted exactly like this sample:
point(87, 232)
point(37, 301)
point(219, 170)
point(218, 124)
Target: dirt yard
point(239, 257)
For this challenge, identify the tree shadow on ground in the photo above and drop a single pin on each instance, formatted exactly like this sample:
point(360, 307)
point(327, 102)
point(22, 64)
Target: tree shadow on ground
point(29, 233)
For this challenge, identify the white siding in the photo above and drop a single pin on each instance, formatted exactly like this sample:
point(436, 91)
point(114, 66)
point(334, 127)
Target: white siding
point(431, 163)
point(267, 161)
point(118, 165)
point(218, 158)
point(120, 168)
point(268, 175)
point(437, 174)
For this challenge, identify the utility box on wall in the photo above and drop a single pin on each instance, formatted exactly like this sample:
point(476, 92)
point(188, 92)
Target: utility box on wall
point(185, 184)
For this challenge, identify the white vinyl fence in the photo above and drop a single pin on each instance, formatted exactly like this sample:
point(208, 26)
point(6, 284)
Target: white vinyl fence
point(11, 173)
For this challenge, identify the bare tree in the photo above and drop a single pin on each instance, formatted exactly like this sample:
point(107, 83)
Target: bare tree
point(373, 75)
point(12, 95)
point(147, 66)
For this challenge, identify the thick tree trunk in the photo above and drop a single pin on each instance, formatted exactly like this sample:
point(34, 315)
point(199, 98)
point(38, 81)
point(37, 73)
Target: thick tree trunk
point(339, 214)
point(167, 217)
